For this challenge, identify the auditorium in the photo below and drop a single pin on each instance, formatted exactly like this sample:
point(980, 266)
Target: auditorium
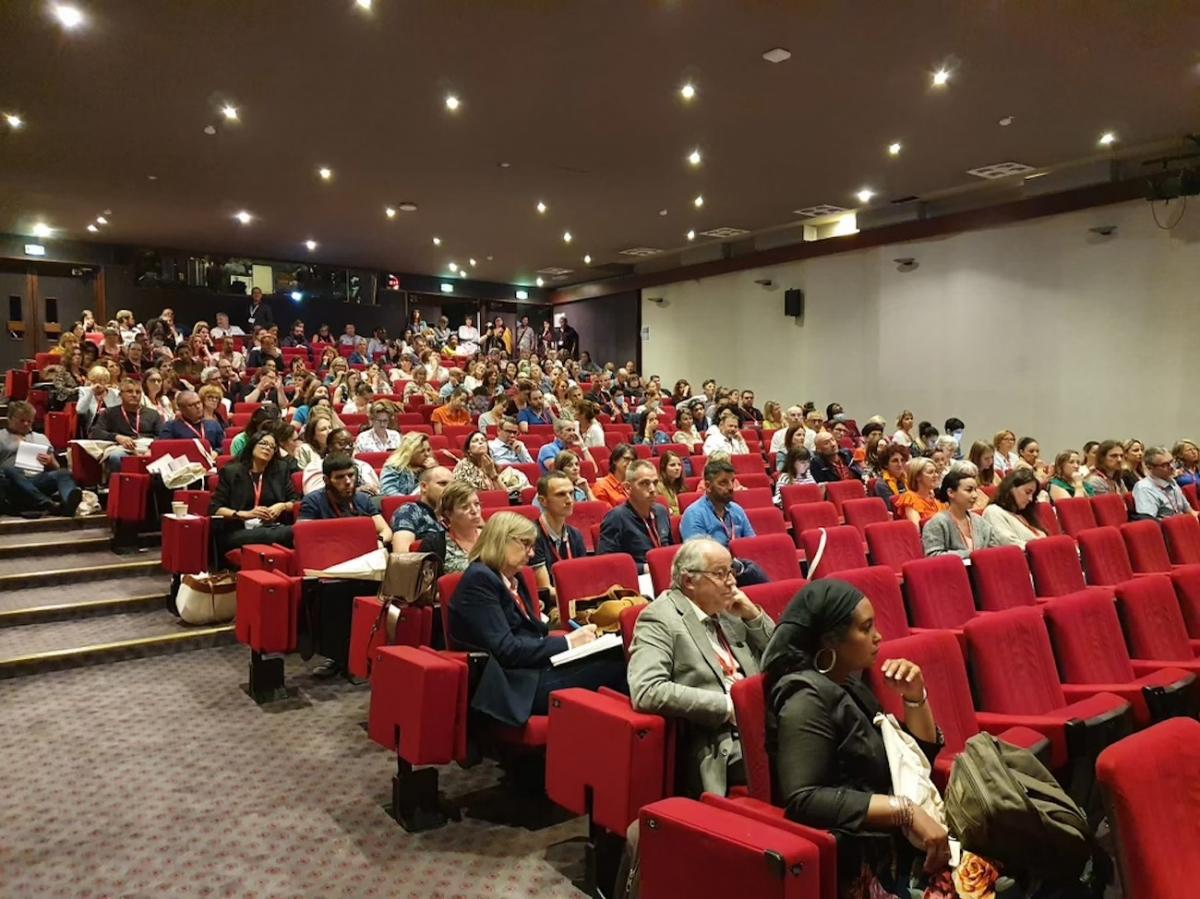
point(656, 448)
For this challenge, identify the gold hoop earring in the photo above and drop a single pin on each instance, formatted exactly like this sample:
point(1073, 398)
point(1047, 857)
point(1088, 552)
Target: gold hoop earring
point(832, 660)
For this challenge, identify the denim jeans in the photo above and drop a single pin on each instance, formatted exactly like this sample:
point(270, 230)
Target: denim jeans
point(37, 488)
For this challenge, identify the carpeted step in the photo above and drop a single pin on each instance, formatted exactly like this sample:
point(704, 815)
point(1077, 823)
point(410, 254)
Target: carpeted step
point(127, 593)
point(94, 537)
point(14, 525)
point(30, 648)
point(70, 567)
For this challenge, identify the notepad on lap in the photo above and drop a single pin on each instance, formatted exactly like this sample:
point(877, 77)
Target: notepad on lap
point(27, 456)
point(600, 644)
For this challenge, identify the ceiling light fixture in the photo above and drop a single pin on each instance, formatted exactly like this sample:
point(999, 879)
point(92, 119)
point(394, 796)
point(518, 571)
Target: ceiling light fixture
point(364, 5)
point(244, 217)
point(325, 172)
point(542, 207)
point(587, 259)
point(101, 220)
point(1107, 139)
point(894, 148)
point(688, 91)
point(408, 207)
point(92, 228)
point(389, 212)
point(452, 102)
point(864, 195)
point(522, 294)
point(41, 229)
point(68, 16)
point(940, 77)
point(311, 245)
point(539, 281)
point(437, 241)
point(694, 157)
point(691, 235)
point(230, 112)
point(453, 266)
point(472, 261)
point(14, 121)
point(505, 165)
point(698, 202)
point(447, 288)
point(297, 296)
point(566, 237)
point(777, 55)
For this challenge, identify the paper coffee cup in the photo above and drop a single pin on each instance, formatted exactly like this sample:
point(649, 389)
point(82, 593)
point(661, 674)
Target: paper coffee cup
point(180, 509)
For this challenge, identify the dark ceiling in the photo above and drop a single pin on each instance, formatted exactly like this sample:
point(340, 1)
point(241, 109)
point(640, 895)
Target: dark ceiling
point(580, 98)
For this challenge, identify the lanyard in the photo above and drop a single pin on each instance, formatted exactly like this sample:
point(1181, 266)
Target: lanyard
point(258, 489)
point(725, 655)
point(136, 424)
point(652, 531)
point(199, 432)
point(559, 550)
point(516, 598)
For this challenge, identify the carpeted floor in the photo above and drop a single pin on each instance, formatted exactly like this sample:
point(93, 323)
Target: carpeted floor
point(160, 777)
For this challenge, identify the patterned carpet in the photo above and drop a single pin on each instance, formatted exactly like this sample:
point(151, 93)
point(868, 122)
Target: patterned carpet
point(159, 777)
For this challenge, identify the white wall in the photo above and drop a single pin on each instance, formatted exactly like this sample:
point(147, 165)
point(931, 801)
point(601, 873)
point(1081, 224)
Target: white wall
point(1041, 327)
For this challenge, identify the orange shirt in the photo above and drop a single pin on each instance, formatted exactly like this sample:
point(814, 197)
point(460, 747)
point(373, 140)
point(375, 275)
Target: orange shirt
point(444, 415)
point(609, 490)
point(926, 508)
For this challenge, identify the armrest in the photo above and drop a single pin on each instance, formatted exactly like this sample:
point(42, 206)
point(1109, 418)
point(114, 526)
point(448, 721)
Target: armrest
point(1142, 667)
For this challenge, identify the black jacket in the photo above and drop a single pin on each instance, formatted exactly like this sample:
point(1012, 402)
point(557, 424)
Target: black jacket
point(624, 531)
point(484, 618)
point(235, 489)
point(112, 422)
point(822, 472)
point(261, 316)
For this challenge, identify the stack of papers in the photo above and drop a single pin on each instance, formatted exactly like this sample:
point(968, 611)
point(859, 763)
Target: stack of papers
point(27, 456)
point(600, 644)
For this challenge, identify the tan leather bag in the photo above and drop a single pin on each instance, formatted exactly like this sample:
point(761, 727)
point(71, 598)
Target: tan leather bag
point(207, 599)
point(605, 610)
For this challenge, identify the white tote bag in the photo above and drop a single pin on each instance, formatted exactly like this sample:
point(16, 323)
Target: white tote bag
point(910, 771)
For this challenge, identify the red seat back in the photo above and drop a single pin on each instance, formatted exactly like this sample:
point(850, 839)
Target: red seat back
point(755, 498)
point(628, 620)
point(878, 583)
point(1143, 778)
point(1146, 547)
point(530, 512)
point(807, 516)
point(775, 554)
point(321, 544)
point(747, 463)
point(375, 460)
point(1182, 533)
point(1102, 552)
point(1000, 579)
point(1075, 514)
point(767, 520)
point(591, 576)
point(798, 494)
point(939, 592)
point(893, 543)
point(756, 479)
point(1109, 510)
point(774, 597)
point(750, 709)
point(587, 514)
point(1187, 588)
point(1153, 621)
point(686, 499)
point(862, 512)
point(658, 562)
point(840, 492)
point(1049, 520)
point(1054, 562)
point(1087, 639)
point(492, 499)
point(843, 549)
point(1012, 663)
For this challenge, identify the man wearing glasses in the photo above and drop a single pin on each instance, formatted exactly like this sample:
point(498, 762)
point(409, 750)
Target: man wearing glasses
point(381, 438)
point(1157, 495)
point(506, 448)
point(690, 646)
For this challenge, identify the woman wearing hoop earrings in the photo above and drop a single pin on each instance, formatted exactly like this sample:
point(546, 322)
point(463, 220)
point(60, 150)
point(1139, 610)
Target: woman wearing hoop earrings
point(830, 764)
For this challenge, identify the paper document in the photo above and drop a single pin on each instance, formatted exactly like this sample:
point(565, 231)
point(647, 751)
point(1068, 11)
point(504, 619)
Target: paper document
point(646, 586)
point(27, 456)
point(367, 567)
point(600, 644)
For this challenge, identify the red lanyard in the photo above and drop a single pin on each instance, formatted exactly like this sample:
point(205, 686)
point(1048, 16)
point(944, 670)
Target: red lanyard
point(199, 432)
point(558, 550)
point(136, 424)
point(652, 531)
point(516, 598)
point(258, 489)
point(728, 665)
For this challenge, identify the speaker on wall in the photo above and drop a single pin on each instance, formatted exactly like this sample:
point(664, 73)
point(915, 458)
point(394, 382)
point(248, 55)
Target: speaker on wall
point(793, 302)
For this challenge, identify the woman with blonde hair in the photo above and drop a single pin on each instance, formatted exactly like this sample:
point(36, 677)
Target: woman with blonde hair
point(404, 466)
point(1005, 460)
point(212, 398)
point(772, 416)
point(1134, 469)
point(1068, 477)
point(493, 611)
point(983, 457)
point(1187, 462)
point(460, 511)
point(904, 426)
point(918, 503)
point(67, 342)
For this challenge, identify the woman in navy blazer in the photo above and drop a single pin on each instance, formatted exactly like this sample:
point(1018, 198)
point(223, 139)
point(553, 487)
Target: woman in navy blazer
point(492, 612)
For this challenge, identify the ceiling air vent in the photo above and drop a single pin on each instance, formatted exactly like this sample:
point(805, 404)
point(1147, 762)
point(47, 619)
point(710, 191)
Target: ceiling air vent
point(1000, 170)
point(555, 272)
point(810, 212)
point(639, 251)
point(724, 232)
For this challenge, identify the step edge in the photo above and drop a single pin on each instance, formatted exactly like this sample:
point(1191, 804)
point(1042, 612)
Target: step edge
point(52, 655)
point(116, 567)
point(39, 611)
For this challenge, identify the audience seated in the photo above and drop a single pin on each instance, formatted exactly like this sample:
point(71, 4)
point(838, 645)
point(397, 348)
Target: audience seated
point(29, 491)
point(612, 488)
point(404, 466)
point(671, 479)
point(832, 464)
point(190, 423)
point(492, 612)
point(477, 467)
point(1158, 495)
point(1134, 468)
point(418, 520)
point(340, 441)
point(462, 519)
point(1013, 515)
point(828, 758)
point(1107, 475)
point(566, 437)
point(918, 503)
point(955, 530)
point(341, 498)
point(507, 448)
point(556, 540)
point(1187, 462)
point(254, 496)
point(685, 429)
point(797, 469)
point(380, 437)
point(126, 423)
point(639, 524)
point(893, 467)
point(536, 413)
point(1067, 480)
point(725, 437)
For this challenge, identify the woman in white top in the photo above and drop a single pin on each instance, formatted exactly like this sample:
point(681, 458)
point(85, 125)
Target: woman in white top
point(1005, 459)
point(340, 441)
point(1014, 513)
point(403, 371)
point(432, 363)
point(468, 337)
point(97, 393)
point(590, 429)
point(685, 429)
point(154, 395)
point(904, 426)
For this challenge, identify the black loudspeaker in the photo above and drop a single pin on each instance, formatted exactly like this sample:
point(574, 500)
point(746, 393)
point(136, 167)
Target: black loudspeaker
point(793, 302)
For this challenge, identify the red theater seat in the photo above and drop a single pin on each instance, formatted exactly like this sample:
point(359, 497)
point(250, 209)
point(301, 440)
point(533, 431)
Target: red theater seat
point(1105, 561)
point(862, 512)
point(894, 543)
point(842, 549)
point(774, 554)
point(768, 520)
point(1109, 510)
point(774, 597)
point(1182, 533)
point(755, 498)
point(878, 583)
point(579, 578)
point(798, 494)
point(409, 626)
point(809, 516)
point(1054, 562)
point(1153, 623)
point(1075, 514)
point(841, 492)
point(658, 562)
point(939, 592)
point(1000, 579)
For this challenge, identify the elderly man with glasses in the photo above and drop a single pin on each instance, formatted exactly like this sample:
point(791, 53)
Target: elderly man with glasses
point(1157, 495)
point(507, 449)
point(690, 646)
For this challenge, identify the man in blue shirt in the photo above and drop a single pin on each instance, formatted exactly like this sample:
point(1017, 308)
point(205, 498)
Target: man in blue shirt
point(536, 412)
point(506, 448)
point(639, 524)
point(190, 423)
point(566, 438)
point(719, 517)
point(339, 498)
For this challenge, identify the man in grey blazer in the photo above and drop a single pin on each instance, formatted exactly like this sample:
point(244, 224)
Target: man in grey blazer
point(689, 647)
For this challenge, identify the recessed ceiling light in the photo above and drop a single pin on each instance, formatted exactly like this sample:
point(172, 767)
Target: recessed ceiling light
point(1107, 139)
point(694, 157)
point(437, 241)
point(1006, 121)
point(472, 261)
point(152, 177)
point(691, 235)
point(363, 4)
point(662, 212)
point(940, 77)
point(505, 165)
point(296, 296)
point(101, 220)
point(325, 172)
point(408, 207)
point(68, 16)
point(230, 112)
point(41, 229)
point(778, 54)
point(14, 120)
point(490, 258)
point(453, 266)
point(587, 259)
point(566, 237)
point(452, 102)
point(894, 148)
point(389, 212)
point(542, 207)
point(864, 195)
point(522, 294)
point(210, 130)
point(244, 217)
point(539, 281)
point(698, 202)
point(311, 244)
point(447, 288)
point(92, 228)
point(688, 91)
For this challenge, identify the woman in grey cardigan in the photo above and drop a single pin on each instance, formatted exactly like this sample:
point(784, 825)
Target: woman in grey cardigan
point(957, 531)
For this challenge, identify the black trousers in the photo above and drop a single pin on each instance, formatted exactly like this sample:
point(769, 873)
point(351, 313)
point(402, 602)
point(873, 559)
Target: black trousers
point(606, 669)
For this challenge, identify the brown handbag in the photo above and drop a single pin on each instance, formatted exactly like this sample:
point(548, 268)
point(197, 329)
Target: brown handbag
point(604, 610)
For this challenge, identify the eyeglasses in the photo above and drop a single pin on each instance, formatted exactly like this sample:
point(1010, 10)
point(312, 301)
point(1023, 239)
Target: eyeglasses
point(735, 570)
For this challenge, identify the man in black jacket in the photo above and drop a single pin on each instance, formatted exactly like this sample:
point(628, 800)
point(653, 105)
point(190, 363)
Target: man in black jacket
point(125, 423)
point(639, 524)
point(260, 313)
point(832, 464)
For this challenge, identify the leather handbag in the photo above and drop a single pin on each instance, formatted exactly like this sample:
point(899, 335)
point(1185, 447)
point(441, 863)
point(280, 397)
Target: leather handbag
point(604, 610)
point(207, 598)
